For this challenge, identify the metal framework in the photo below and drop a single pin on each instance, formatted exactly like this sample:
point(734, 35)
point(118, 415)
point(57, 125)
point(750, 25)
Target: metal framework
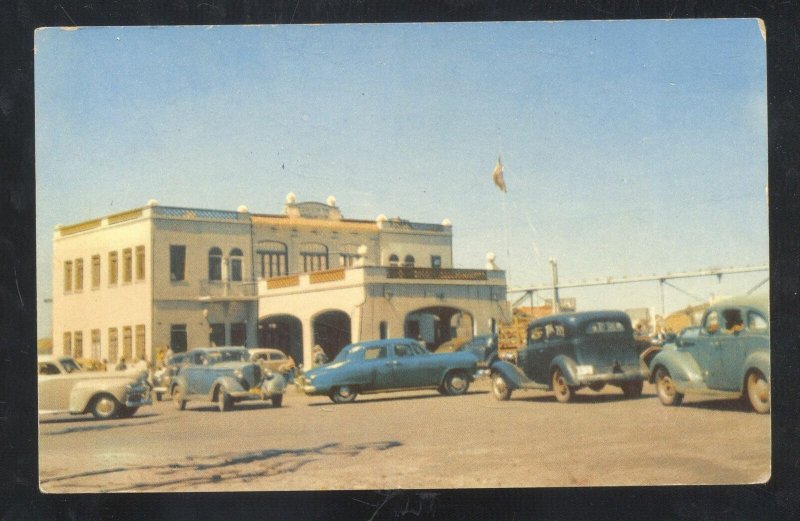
point(661, 279)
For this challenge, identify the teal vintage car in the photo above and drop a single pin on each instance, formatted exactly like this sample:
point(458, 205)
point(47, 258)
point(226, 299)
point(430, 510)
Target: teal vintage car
point(389, 365)
point(569, 351)
point(224, 375)
point(729, 356)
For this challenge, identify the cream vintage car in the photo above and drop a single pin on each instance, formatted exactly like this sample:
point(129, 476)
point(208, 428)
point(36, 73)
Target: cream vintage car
point(65, 387)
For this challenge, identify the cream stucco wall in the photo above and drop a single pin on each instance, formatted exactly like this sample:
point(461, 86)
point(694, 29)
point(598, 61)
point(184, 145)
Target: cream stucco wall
point(108, 305)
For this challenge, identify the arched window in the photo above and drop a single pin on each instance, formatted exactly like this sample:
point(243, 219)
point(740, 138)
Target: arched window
point(236, 264)
point(408, 262)
point(274, 259)
point(393, 260)
point(215, 264)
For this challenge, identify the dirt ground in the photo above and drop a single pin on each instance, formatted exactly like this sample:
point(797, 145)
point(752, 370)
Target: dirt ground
point(418, 440)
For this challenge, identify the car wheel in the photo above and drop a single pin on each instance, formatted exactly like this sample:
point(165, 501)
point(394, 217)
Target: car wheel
point(178, 397)
point(105, 407)
point(224, 400)
point(127, 412)
point(277, 400)
point(758, 392)
point(344, 394)
point(456, 383)
point(632, 389)
point(597, 386)
point(667, 392)
point(562, 390)
point(500, 389)
point(159, 396)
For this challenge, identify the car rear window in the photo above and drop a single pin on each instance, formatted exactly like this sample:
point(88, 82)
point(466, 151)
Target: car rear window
point(600, 327)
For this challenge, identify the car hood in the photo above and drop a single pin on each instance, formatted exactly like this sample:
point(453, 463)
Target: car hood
point(101, 375)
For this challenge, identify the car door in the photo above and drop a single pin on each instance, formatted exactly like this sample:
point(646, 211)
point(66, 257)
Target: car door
point(409, 368)
point(54, 387)
point(734, 336)
point(536, 361)
point(556, 343)
point(378, 364)
point(707, 348)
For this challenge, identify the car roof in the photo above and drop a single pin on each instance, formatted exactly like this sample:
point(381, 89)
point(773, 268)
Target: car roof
point(576, 319)
point(217, 349)
point(758, 301)
point(383, 341)
point(265, 350)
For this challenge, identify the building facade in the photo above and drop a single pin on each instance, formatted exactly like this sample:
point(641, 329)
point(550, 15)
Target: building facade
point(130, 284)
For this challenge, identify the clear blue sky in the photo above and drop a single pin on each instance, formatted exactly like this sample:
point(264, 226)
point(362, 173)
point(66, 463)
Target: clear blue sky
point(629, 148)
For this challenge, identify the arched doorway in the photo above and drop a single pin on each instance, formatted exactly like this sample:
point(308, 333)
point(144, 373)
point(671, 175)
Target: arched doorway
point(284, 332)
point(437, 324)
point(331, 331)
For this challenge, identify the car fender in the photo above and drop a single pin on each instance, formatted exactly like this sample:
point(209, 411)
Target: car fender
point(275, 384)
point(230, 383)
point(512, 374)
point(83, 392)
point(760, 361)
point(568, 368)
point(681, 366)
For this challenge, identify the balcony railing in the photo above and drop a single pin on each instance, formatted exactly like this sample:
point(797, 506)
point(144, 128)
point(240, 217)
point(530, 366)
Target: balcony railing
point(400, 272)
point(227, 288)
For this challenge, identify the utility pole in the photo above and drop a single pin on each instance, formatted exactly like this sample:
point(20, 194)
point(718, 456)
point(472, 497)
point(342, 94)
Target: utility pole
point(556, 303)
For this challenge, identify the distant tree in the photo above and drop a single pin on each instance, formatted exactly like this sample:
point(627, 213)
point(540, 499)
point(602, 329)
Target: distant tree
point(44, 346)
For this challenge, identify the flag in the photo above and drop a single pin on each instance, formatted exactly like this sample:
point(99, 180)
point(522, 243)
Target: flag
point(497, 175)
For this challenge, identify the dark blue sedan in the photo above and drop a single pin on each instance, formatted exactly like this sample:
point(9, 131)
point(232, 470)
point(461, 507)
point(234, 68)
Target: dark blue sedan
point(389, 365)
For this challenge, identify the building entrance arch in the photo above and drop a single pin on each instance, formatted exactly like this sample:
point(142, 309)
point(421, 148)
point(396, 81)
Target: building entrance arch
point(435, 325)
point(284, 332)
point(331, 330)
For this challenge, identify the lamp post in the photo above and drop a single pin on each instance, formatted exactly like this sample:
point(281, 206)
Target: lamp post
point(556, 303)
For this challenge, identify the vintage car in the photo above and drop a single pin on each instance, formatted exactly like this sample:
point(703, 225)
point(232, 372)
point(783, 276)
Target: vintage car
point(729, 356)
point(484, 347)
point(65, 387)
point(566, 352)
point(389, 365)
point(163, 377)
point(272, 359)
point(224, 375)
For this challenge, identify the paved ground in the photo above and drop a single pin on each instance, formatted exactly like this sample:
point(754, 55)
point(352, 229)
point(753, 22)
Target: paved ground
point(409, 440)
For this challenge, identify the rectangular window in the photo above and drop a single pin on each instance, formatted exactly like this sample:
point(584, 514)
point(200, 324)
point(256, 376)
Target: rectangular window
point(67, 275)
point(236, 269)
point(140, 263)
point(177, 265)
point(273, 264)
point(67, 348)
point(217, 335)
point(314, 261)
point(436, 261)
point(140, 349)
point(78, 347)
point(113, 268)
point(178, 338)
point(78, 274)
point(127, 343)
point(127, 265)
point(95, 271)
point(238, 334)
point(95, 344)
point(113, 345)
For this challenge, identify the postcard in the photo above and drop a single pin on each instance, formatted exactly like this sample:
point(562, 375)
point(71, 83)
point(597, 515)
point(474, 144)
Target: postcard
point(402, 256)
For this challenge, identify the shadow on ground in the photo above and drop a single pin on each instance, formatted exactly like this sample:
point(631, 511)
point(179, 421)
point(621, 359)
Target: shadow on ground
point(104, 426)
point(241, 467)
point(735, 405)
point(580, 398)
point(377, 398)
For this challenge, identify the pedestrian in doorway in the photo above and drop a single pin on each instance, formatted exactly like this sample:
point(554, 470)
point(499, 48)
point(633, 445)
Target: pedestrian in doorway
point(319, 356)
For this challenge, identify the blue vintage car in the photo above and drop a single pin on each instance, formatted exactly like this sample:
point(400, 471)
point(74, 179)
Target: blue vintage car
point(729, 356)
point(568, 351)
point(389, 365)
point(224, 375)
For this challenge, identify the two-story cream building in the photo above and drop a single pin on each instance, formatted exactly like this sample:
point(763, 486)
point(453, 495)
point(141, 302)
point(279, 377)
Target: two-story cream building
point(128, 284)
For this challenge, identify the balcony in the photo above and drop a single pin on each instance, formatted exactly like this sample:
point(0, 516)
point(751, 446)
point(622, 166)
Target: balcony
point(228, 290)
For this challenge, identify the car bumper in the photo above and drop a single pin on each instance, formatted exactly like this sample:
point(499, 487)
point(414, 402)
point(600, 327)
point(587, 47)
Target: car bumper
point(626, 376)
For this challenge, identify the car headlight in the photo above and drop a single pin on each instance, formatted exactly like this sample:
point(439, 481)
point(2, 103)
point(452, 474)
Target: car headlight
point(584, 370)
point(238, 374)
point(310, 377)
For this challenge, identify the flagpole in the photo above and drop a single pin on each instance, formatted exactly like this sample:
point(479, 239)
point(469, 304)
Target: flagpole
point(505, 209)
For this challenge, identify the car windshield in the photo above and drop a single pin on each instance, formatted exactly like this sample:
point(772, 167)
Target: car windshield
point(215, 357)
point(345, 353)
point(70, 365)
